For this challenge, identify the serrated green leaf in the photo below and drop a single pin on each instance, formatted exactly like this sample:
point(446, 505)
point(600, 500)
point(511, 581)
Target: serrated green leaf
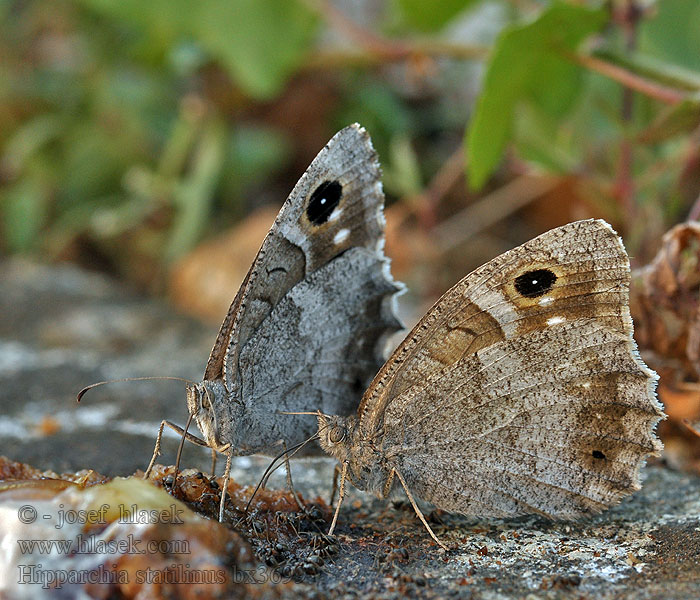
point(430, 16)
point(520, 56)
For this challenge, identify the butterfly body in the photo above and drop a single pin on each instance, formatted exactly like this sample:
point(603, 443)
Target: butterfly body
point(520, 391)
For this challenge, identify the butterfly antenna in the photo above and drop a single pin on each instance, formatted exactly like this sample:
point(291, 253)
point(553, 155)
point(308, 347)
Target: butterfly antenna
point(82, 392)
point(290, 452)
point(294, 449)
point(268, 470)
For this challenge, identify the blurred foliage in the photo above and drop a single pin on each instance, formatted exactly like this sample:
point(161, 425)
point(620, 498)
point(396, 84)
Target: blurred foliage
point(130, 130)
point(527, 63)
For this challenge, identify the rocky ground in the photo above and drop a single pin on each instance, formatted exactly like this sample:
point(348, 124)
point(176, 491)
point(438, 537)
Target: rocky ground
point(62, 328)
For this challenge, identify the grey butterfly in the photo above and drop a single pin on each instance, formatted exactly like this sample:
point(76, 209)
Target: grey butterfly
point(308, 327)
point(520, 391)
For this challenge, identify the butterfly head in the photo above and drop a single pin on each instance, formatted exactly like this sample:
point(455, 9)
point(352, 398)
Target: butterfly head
point(202, 405)
point(335, 434)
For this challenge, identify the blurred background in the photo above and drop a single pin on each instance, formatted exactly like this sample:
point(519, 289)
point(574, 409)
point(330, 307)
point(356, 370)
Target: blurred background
point(146, 147)
point(155, 141)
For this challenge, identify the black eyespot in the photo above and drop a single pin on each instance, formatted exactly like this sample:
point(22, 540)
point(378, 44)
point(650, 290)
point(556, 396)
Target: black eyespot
point(535, 283)
point(324, 199)
point(598, 454)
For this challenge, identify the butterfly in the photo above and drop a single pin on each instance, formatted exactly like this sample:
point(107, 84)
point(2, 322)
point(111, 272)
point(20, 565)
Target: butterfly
point(307, 329)
point(520, 391)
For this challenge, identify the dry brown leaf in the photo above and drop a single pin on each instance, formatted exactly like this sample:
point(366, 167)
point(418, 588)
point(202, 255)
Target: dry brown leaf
point(664, 300)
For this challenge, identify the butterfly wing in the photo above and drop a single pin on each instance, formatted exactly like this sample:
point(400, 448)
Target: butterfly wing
point(317, 350)
point(522, 390)
point(327, 238)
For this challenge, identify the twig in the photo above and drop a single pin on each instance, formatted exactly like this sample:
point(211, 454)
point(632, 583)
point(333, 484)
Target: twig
point(371, 42)
point(624, 183)
point(425, 204)
point(648, 88)
point(375, 49)
point(490, 209)
point(332, 59)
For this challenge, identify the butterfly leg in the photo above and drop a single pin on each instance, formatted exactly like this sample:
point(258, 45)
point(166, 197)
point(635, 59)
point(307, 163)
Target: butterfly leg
point(334, 489)
point(156, 451)
point(341, 495)
point(213, 462)
point(227, 474)
point(415, 507)
point(290, 485)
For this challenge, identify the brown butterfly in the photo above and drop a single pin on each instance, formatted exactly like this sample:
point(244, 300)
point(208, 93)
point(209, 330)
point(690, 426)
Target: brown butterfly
point(520, 391)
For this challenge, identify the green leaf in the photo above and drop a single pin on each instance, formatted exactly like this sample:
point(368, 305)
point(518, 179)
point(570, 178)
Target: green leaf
point(673, 33)
point(523, 60)
point(430, 16)
point(260, 42)
point(554, 85)
point(542, 139)
point(163, 20)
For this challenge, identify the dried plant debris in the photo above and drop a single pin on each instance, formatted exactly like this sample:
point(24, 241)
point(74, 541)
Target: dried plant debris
point(665, 306)
point(664, 301)
point(283, 536)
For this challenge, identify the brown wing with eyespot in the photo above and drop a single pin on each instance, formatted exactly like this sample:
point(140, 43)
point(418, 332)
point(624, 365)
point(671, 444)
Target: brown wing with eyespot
point(521, 390)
